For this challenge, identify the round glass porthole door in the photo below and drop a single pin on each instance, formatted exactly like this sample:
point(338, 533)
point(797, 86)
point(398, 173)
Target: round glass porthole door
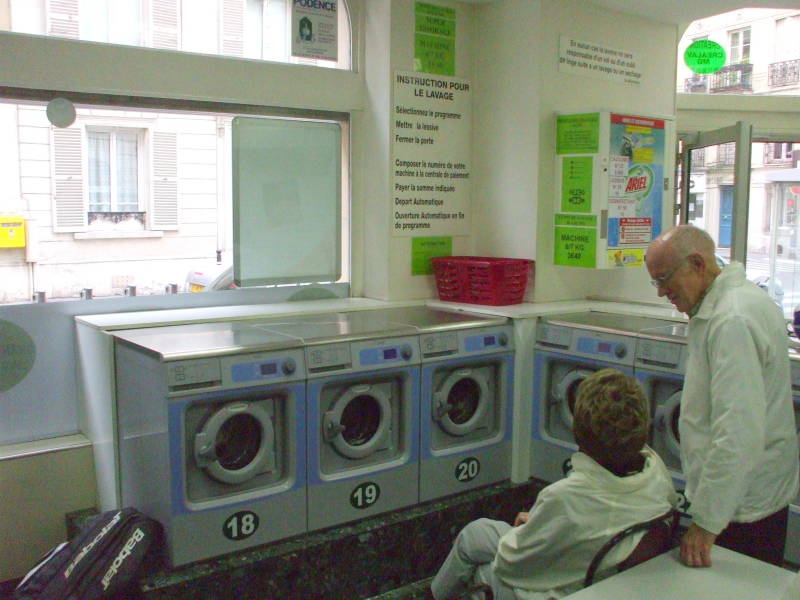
point(461, 403)
point(666, 420)
point(236, 443)
point(566, 392)
point(359, 421)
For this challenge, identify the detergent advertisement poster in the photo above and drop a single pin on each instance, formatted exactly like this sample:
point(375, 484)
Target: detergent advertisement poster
point(636, 185)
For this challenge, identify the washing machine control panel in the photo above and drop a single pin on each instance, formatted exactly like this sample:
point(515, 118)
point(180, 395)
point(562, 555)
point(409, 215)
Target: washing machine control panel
point(329, 357)
point(263, 367)
point(664, 355)
point(194, 373)
point(605, 349)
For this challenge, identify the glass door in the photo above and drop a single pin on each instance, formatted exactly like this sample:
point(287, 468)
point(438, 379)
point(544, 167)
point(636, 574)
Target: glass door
point(745, 191)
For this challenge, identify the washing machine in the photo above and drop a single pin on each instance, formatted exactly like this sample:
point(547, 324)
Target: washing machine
point(660, 365)
point(568, 348)
point(211, 434)
point(466, 398)
point(792, 553)
point(363, 414)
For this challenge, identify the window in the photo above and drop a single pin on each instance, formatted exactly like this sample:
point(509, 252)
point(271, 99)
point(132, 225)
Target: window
point(113, 168)
point(141, 196)
point(114, 21)
point(739, 46)
point(763, 53)
point(258, 29)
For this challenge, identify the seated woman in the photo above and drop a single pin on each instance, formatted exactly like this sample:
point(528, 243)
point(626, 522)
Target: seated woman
point(616, 481)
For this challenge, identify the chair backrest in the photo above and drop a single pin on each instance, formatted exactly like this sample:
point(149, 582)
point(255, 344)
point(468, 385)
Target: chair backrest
point(658, 538)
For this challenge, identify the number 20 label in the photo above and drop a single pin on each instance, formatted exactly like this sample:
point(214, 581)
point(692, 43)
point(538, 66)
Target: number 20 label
point(468, 469)
point(240, 525)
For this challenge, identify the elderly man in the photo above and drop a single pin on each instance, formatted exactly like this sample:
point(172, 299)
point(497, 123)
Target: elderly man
point(739, 446)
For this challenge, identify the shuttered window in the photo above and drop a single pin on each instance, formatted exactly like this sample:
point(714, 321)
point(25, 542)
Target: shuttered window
point(113, 172)
point(165, 181)
point(164, 19)
point(69, 211)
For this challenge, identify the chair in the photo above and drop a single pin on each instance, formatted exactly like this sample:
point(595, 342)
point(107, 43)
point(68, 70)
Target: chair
point(659, 538)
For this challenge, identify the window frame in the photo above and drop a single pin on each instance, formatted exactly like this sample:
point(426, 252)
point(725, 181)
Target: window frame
point(142, 153)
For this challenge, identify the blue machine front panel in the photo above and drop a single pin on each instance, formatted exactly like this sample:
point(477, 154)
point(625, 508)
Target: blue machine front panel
point(411, 437)
point(477, 343)
point(382, 355)
point(176, 409)
point(426, 423)
point(259, 370)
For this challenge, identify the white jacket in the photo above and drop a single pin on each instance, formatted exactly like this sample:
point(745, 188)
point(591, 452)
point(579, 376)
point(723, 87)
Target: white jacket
point(572, 519)
point(738, 439)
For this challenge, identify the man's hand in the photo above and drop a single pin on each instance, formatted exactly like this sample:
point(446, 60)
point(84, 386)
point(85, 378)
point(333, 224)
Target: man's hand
point(696, 546)
point(522, 517)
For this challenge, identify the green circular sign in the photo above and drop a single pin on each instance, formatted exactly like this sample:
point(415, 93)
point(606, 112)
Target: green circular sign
point(704, 56)
point(17, 355)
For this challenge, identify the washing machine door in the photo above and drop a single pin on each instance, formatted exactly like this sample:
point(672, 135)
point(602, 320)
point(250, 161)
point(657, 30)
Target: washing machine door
point(359, 421)
point(666, 421)
point(565, 392)
point(461, 402)
point(236, 442)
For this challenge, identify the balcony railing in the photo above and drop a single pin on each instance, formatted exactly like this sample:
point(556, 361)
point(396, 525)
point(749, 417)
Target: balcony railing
point(784, 73)
point(697, 84)
point(732, 79)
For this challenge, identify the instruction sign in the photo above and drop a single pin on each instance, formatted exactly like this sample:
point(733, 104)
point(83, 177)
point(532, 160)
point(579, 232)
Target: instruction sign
point(578, 134)
point(431, 155)
point(423, 249)
point(434, 39)
point(591, 59)
point(575, 246)
point(576, 184)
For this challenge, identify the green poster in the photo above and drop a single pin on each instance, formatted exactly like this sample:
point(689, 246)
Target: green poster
point(425, 248)
point(575, 247)
point(434, 39)
point(578, 134)
point(576, 184)
point(434, 10)
point(576, 220)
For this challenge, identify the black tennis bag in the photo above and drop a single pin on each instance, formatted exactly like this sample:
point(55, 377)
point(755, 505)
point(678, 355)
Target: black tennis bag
point(104, 560)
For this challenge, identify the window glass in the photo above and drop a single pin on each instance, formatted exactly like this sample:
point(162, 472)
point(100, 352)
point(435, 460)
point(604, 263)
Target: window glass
point(137, 197)
point(258, 29)
point(762, 48)
point(773, 251)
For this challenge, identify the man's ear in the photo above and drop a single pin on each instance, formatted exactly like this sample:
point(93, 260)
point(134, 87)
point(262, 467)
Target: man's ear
point(697, 261)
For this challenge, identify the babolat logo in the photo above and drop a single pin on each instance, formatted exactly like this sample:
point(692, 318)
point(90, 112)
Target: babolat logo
point(87, 548)
point(136, 537)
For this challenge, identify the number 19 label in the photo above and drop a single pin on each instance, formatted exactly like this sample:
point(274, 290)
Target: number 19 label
point(365, 495)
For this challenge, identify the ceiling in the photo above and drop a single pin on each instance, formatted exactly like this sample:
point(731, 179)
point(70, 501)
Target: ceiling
point(679, 12)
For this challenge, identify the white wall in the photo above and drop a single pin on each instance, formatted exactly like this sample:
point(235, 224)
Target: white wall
point(654, 46)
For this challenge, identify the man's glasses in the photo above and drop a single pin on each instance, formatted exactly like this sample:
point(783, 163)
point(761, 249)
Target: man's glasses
point(660, 282)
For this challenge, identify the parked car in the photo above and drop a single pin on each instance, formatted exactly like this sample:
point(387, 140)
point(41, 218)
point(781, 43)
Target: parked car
point(210, 279)
point(761, 281)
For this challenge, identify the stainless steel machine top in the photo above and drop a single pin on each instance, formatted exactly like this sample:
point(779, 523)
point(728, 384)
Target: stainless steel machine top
point(199, 340)
point(607, 322)
point(388, 322)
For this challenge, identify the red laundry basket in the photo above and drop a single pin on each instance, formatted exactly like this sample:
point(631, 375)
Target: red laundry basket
point(482, 279)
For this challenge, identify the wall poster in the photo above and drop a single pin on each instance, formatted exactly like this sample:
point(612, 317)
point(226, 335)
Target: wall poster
point(315, 29)
point(635, 182)
point(431, 155)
